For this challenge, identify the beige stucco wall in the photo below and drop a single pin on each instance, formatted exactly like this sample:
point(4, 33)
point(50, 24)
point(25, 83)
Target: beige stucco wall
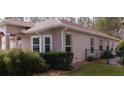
point(26, 42)
point(57, 42)
point(56, 36)
point(81, 42)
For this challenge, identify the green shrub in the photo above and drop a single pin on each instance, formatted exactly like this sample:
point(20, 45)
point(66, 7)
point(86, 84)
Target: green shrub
point(90, 58)
point(18, 62)
point(120, 45)
point(58, 60)
point(107, 55)
point(120, 48)
point(33, 61)
point(3, 70)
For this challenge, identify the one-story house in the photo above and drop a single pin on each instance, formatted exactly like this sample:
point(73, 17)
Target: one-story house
point(54, 35)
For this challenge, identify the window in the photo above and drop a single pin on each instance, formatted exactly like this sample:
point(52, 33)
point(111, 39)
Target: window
point(92, 42)
point(36, 44)
point(107, 47)
point(92, 45)
point(68, 39)
point(100, 45)
point(112, 44)
point(47, 43)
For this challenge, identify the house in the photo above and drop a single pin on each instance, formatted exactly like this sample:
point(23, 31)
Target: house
point(10, 33)
point(54, 35)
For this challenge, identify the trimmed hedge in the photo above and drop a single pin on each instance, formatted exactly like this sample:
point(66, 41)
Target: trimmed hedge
point(58, 60)
point(16, 62)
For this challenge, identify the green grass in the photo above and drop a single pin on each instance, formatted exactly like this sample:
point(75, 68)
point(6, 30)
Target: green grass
point(98, 69)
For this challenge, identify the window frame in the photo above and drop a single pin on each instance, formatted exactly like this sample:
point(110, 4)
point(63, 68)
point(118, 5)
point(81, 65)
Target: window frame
point(67, 46)
point(92, 45)
point(100, 44)
point(40, 39)
point(51, 42)
point(108, 45)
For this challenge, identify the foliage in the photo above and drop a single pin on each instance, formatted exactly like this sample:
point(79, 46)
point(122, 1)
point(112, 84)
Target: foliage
point(120, 48)
point(17, 62)
point(90, 58)
point(107, 54)
point(3, 70)
point(58, 60)
point(109, 25)
point(120, 45)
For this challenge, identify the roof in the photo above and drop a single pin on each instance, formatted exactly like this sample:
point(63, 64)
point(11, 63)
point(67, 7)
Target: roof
point(16, 23)
point(54, 23)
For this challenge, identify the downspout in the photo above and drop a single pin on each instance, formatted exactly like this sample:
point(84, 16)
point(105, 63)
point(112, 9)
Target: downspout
point(62, 38)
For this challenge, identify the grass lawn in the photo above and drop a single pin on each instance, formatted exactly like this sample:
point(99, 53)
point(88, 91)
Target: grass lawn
point(98, 69)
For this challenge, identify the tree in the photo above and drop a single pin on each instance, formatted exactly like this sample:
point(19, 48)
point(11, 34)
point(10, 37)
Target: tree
point(86, 21)
point(120, 45)
point(109, 25)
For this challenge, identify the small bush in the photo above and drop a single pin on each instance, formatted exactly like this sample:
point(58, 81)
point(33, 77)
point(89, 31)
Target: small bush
point(119, 53)
point(34, 62)
point(58, 60)
point(107, 55)
point(90, 58)
point(17, 62)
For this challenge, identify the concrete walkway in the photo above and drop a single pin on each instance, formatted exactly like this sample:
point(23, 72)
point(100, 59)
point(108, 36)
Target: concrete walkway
point(114, 61)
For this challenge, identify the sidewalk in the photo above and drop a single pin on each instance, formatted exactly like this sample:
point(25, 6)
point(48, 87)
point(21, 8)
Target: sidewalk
point(114, 61)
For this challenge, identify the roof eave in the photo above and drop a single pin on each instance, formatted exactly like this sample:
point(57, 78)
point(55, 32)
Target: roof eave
point(89, 32)
point(32, 31)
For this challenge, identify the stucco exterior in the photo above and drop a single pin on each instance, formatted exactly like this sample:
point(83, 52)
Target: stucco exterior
point(56, 38)
point(81, 42)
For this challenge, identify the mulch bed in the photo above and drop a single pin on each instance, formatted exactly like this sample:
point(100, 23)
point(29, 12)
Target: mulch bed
point(52, 73)
point(76, 66)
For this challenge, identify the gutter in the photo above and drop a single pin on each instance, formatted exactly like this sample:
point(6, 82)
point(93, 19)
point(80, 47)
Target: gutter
point(92, 33)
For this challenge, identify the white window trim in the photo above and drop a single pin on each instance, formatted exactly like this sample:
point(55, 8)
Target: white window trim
point(69, 33)
point(100, 42)
point(40, 42)
point(51, 42)
point(93, 42)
